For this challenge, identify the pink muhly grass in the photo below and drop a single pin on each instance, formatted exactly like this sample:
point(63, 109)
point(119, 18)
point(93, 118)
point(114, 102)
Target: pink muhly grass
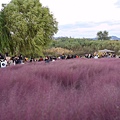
point(75, 89)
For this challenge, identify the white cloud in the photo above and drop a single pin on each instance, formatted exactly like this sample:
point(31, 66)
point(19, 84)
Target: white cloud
point(95, 13)
point(78, 30)
point(71, 11)
point(117, 3)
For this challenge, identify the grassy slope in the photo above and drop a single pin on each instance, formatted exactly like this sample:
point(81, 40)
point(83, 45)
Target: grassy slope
point(77, 89)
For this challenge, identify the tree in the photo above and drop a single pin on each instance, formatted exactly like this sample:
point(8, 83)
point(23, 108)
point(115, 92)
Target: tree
point(31, 26)
point(4, 35)
point(103, 35)
point(100, 35)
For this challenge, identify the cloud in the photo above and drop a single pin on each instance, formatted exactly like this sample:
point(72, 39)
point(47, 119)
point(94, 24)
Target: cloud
point(89, 29)
point(77, 25)
point(118, 3)
point(71, 11)
point(84, 18)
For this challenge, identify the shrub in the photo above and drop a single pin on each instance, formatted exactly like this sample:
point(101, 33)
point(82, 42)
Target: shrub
point(75, 89)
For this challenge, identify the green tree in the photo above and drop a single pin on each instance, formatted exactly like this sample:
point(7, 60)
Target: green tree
point(31, 26)
point(4, 35)
point(103, 35)
point(100, 35)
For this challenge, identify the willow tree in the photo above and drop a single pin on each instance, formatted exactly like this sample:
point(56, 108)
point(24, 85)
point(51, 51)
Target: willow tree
point(31, 26)
point(4, 35)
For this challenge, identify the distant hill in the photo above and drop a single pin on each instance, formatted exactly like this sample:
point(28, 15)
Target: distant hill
point(114, 38)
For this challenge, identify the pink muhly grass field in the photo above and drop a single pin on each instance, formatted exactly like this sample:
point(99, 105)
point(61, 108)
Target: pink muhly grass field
point(75, 89)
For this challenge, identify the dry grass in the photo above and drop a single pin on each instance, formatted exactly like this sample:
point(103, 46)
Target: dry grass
point(59, 51)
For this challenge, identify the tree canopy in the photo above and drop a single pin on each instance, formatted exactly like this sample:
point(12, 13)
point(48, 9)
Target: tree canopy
point(4, 35)
point(27, 26)
point(103, 35)
point(82, 46)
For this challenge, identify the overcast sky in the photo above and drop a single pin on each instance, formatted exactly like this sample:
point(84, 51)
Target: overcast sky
point(84, 18)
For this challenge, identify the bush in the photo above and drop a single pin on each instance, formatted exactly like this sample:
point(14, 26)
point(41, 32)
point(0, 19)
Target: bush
point(75, 89)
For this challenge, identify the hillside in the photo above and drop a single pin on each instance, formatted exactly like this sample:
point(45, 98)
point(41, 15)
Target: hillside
point(114, 38)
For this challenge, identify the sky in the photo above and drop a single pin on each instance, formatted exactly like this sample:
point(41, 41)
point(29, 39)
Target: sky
point(84, 18)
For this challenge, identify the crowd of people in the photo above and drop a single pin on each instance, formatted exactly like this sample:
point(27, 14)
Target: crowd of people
point(47, 59)
point(6, 60)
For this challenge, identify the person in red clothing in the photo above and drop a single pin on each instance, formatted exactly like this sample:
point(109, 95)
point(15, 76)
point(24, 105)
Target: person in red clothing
point(40, 59)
